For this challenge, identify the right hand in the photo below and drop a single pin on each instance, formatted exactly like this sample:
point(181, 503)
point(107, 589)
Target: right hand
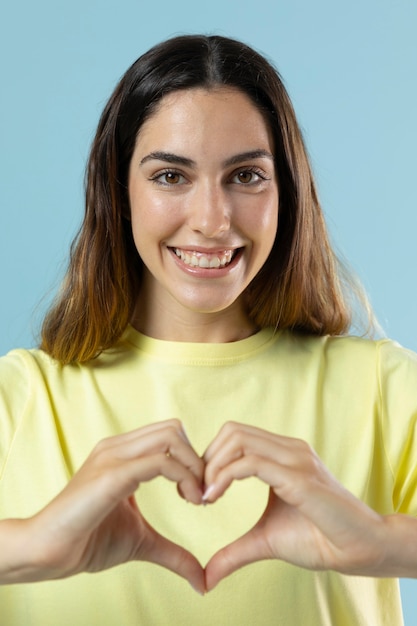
point(95, 523)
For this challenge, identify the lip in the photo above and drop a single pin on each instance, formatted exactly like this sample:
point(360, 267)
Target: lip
point(202, 272)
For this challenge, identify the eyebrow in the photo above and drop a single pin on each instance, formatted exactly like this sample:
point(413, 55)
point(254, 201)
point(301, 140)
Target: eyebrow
point(177, 159)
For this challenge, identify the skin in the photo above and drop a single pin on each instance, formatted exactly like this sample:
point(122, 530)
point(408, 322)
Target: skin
point(95, 523)
point(202, 179)
point(209, 201)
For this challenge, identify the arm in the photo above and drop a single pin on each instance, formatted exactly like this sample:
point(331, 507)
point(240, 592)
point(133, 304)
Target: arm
point(310, 520)
point(16, 559)
point(95, 523)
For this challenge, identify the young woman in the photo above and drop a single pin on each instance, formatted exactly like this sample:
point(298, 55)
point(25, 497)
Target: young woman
point(200, 340)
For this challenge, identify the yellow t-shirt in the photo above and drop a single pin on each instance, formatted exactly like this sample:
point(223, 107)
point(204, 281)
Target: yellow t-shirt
point(353, 400)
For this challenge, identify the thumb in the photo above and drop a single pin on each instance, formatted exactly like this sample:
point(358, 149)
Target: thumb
point(251, 547)
point(155, 548)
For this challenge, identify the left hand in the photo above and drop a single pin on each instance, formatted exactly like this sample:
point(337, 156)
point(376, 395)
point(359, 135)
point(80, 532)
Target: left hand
point(310, 520)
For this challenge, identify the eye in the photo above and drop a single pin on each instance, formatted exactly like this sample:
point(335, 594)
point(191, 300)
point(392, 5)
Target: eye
point(248, 176)
point(169, 178)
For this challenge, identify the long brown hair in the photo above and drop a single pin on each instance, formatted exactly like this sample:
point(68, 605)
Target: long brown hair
point(299, 286)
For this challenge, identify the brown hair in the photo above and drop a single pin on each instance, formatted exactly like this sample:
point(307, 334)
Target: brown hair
point(299, 285)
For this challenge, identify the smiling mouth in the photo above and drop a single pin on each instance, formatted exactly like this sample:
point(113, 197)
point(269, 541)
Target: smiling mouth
point(216, 260)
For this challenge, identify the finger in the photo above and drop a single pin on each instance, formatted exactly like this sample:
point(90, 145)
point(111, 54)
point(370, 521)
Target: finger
point(341, 519)
point(243, 441)
point(128, 476)
point(175, 424)
point(230, 428)
point(162, 465)
point(244, 467)
point(235, 434)
point(86, 502)
point(168, 438)
point(289, 483)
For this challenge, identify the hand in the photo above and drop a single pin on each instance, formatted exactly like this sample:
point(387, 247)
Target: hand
point(95, 523)
point(310, 519)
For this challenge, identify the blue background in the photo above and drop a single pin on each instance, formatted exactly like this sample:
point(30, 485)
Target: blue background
point(350, 69)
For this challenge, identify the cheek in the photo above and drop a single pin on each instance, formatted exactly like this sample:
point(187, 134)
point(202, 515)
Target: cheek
point(263, 224)
point(152, 219)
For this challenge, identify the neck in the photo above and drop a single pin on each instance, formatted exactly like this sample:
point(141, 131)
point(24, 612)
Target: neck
point(189, 326)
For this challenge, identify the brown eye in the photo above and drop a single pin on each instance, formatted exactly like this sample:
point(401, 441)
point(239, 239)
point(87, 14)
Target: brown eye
point(245, 177)
point(248, 177)
point(168, 178)
point(172, 178)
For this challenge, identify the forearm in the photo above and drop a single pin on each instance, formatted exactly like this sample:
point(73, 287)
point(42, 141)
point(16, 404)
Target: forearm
point(17, 562)
point(400, 548)
point(385, 549)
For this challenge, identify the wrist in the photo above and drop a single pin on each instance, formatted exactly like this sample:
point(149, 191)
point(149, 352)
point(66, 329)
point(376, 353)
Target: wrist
point(17, 562)
point(25, 554)
point(400, 550)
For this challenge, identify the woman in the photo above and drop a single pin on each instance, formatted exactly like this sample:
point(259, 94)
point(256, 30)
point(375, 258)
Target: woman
point(203, 298)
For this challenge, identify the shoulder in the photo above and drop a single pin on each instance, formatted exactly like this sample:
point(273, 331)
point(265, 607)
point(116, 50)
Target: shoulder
point(24, 365)
point(340, 349)
point(353, 347)
point(351, 358)
point(22, 373)
point(17, 386)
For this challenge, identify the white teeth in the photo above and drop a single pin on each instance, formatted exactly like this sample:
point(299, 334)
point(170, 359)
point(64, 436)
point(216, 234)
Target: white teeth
point(204, 262)
point(198, 259)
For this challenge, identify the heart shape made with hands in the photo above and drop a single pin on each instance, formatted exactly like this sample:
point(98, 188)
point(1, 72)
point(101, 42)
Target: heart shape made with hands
point(274, 517)
point(203, 530)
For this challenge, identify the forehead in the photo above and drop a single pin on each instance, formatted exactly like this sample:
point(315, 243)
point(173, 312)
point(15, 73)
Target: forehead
point(205, 119)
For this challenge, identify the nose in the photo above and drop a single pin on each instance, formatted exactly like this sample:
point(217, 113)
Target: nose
point(209, 211)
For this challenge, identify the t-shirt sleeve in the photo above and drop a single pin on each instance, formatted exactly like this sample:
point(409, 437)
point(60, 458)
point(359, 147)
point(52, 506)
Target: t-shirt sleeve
point(14, 394)
point(398, 393)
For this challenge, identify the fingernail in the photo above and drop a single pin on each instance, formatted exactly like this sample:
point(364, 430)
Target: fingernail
point(200, 593)
point(208, 492)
